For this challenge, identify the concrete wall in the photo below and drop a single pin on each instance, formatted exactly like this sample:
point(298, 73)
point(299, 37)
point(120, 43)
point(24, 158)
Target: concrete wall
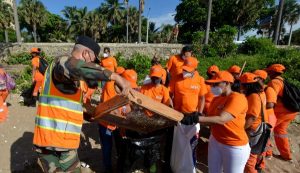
point(55, 49)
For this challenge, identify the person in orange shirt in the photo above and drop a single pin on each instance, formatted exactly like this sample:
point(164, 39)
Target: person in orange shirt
point(211, 72)
point(283, 115)
point(271, 101)
point(158, 92)
point(188, 93)
point(156, 62)
point(228, 148)
point(107, 131)
point(37, 76)
point(256, 104)
point(108, 61)
point(235, 71)
point(175, 63)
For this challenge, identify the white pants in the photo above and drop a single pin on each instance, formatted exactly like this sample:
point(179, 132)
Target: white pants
point(230, 159)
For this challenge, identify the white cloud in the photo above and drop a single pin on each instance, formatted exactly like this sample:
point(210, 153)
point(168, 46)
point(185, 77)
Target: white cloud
point(163, 19)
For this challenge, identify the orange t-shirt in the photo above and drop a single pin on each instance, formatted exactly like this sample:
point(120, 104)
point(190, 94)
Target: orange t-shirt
point(158, 93)
point(278, 85)
point(35, 62)
point(209, 96)
point(108, 92)
point(187, 92)
point(174, 65)
point(109, 63)
point(254, 108)
point(231, 133)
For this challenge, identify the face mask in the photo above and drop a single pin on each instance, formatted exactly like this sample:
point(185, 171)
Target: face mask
point(105, 55)
point(187, 74)
point(216, 90)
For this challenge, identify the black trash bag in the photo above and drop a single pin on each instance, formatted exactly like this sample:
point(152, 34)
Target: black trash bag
point(29, 100)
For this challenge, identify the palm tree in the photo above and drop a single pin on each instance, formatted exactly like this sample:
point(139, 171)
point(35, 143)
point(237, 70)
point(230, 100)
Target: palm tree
point(6, 17)
point(133, 22)
point(113, 8)
point(70, 14)
point(82, 20)
point(291, 15)
point(277, 31)
point(34, 14)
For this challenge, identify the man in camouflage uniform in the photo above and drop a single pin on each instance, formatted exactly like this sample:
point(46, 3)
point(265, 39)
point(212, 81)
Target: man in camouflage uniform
point(57, 133)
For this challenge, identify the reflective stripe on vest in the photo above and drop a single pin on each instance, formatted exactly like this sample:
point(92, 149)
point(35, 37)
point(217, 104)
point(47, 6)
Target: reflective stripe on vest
point(58, 125)
point(60, 103)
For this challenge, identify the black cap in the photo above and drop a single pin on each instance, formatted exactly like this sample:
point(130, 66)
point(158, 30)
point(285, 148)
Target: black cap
point(90, 43)
point(186, 49)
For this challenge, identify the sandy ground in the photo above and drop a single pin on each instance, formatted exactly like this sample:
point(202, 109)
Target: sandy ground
point(16, 154)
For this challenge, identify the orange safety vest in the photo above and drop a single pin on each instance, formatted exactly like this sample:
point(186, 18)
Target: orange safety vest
point(59, 117)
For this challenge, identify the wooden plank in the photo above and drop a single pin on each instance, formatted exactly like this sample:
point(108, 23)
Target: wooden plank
point(112, 104)
point(155, 106)
point(136, 119)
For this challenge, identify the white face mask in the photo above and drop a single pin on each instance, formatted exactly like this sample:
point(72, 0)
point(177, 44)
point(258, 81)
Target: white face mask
point(187, 74)
point(216, 90)
point(105, 55)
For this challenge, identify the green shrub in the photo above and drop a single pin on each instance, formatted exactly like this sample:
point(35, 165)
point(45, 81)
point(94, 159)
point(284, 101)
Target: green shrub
point(255, 45)
point(23, 79)
point(197, 41)
point(140, 63)
point(222, 40)
point(22, 58)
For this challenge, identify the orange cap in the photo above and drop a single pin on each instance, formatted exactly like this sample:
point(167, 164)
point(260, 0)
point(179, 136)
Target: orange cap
point(35, 50)
point(213, 68)
point(120, 70)
point(221, 76)
point(261, 73)
point(234, 69)
point(279, 68)
point(131, 76)
point(156, 71)
point(248, 78)
point(190, 64)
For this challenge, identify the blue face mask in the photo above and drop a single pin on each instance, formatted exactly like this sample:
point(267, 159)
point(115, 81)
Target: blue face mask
point(217, 91)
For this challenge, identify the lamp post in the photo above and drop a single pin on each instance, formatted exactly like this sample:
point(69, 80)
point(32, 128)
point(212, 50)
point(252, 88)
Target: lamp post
point(127, 19)
point(147, 36)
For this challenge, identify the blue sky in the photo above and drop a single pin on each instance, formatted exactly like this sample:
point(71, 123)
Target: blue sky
point(161, 11)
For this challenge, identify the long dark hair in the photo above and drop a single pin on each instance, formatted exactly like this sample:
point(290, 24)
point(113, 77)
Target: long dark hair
point(250, 88)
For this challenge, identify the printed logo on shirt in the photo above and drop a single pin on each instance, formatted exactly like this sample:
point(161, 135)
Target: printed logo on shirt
point(195, 87)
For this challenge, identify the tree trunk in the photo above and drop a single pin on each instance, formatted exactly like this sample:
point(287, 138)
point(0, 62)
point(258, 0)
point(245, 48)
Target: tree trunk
point(140, 22)
point(208, 22)
point(6, 36)
point(277, 31)
point(34, 33)
point(16, 18)
point(239, 33)
point(291, 33)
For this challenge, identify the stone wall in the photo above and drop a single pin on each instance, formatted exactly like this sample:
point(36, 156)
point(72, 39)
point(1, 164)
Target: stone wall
point(55, 49)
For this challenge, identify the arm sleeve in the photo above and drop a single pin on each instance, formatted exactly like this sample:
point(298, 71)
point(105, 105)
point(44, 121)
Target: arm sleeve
point(71, 69)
